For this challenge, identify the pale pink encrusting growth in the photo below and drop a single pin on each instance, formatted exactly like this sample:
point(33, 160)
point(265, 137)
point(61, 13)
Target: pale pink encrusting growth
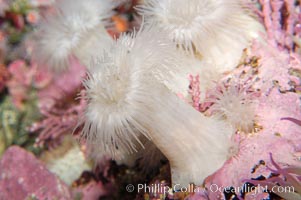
point(57, 122)
point(281, 19)
point(278, 81)
point(53, 90)
point(21, 80)
point(21, 171)
point(289, 178)
point(195, 90)
point(128, 101)
point(61, 85)
point(278, 99)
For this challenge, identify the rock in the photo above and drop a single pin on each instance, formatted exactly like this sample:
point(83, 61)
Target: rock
point(24, 176)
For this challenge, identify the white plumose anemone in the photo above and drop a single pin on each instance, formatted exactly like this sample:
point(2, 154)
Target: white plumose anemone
point(128, 101)
point(217, 29)
point(73, 27)
point(118, 82)
point(236, 106)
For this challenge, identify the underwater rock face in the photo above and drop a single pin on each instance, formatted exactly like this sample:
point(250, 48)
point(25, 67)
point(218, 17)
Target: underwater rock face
point(23, 176)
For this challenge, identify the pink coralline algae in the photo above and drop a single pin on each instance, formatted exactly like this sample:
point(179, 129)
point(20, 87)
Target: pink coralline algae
point(194, 90)
point(62, 86)
point(271, 133)
point(281, 19)
point(58, 105)
point(23, 79)
point(56, 122)
point(285, 182)
point(275, 71)
point(20, 82)
point(22, 176)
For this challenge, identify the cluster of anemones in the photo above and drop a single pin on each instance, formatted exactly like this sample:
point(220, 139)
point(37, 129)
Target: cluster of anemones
point(132, 80)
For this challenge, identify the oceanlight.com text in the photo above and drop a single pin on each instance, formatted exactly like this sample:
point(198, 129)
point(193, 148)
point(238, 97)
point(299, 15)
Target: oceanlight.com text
point(164, 189)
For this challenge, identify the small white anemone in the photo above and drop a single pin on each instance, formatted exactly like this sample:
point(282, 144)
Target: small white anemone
point(217, 29)
point(68, 25)
point(236, 105)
